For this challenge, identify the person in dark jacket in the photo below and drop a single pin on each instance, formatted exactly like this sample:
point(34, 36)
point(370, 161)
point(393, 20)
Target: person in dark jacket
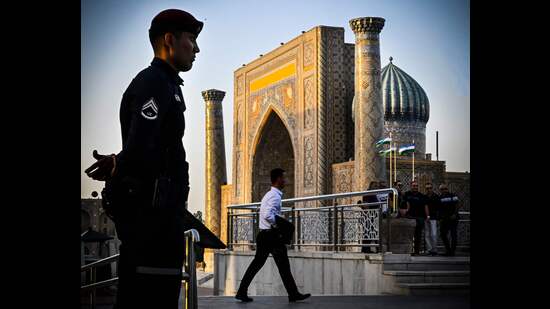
point(449, 206)
point(417, 209)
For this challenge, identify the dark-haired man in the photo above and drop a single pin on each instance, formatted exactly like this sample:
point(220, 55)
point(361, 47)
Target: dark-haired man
point(430, 234)
point(417, 209)
point(147, 183)
point(449, 219)
point(270, 241)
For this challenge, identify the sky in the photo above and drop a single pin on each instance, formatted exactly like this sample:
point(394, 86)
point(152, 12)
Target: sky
point(430, 40)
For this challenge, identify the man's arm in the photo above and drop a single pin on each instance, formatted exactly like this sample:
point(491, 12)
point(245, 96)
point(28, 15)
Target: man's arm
point(272, 204)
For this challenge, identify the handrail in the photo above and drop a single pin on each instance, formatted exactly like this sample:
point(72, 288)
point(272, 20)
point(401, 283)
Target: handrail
point(335, 228)
point(315, 208)
point(107, 260)
point(243, 219)
point(320, 197)
point(189, 277)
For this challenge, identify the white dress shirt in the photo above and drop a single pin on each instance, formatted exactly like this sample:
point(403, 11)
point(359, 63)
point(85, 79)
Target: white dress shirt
point(270, 207)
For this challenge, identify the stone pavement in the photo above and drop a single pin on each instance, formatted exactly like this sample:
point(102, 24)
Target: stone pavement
point(339, 302)
point(329, 302)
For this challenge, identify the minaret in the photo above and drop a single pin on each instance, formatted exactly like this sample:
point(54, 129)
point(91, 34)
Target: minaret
point(369, 109)
point(216, 174)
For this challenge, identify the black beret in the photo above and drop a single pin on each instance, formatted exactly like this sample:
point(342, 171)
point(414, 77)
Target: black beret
point(174, 20)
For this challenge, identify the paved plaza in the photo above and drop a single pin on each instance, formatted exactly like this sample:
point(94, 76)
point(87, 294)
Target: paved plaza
point(339, 302)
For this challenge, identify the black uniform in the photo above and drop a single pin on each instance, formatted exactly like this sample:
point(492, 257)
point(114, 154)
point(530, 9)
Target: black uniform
point(417, 202)
point(150, 189)
point(449, 221)
point(433, 202)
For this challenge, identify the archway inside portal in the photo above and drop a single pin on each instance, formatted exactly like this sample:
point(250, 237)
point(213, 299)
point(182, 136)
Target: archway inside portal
point(274, 149)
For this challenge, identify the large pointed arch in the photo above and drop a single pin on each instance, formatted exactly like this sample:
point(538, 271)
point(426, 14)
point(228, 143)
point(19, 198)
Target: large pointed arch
point(272, 147)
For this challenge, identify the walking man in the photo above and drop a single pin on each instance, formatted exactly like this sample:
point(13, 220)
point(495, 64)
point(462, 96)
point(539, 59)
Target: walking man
point(269, 240)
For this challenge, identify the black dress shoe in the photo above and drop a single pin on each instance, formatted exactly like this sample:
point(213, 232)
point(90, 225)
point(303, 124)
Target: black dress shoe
point(298, 297)
point(244, 298)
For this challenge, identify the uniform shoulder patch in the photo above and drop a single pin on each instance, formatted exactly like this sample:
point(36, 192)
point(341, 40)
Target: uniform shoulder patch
point(149, 110)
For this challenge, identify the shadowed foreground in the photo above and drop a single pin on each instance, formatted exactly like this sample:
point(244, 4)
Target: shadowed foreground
point(340, 302)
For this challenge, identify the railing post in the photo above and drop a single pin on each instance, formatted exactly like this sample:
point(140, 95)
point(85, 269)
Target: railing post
point(388, 222)
point(255, 226)
point(228, 220)
point(335, 231)
point(299, 231)
point(379, 209)
point(293, 222)
point(342, 226)
point(230, 227)
point(192, 303)
point(93, 296)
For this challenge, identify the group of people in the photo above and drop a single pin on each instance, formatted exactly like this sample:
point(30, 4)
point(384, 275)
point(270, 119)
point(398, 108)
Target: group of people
point(429, 210)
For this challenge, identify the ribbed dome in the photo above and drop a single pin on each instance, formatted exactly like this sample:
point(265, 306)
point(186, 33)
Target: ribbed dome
point(402, 96)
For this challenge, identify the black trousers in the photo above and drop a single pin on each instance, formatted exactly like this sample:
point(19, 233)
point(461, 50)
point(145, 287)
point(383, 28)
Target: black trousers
point(418, 234)
point(267, 242)
point(152, 253)
point(449, 225)
point(144, 290)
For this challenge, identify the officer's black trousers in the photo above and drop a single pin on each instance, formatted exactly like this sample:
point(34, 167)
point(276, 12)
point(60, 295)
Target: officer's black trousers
point(418, 234)
point(449, 225)
point(137, 290)
point(150, 241)
point(267, 242)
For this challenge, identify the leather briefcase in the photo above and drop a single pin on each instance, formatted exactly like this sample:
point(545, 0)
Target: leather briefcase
point(285, 229)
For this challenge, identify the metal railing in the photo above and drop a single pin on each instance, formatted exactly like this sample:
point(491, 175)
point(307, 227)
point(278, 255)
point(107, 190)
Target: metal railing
point(189, 276)
point(464, 228)
point(331, 222)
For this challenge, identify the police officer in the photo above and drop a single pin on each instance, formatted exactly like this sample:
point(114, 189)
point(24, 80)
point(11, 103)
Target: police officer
point(147, 183)
point(449, 218)
point(417, 209)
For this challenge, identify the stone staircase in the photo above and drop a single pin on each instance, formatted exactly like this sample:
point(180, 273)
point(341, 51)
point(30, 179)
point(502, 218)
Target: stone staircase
point(426, 275)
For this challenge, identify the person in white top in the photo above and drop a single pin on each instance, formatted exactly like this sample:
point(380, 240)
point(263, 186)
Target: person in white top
point(269, 241)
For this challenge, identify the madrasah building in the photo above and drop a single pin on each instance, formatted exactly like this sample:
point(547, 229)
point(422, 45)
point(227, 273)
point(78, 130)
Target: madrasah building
point(315, 106)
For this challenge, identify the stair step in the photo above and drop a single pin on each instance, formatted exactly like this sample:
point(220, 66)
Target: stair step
point(432, 276)
point(436, 288)
point(426, 263)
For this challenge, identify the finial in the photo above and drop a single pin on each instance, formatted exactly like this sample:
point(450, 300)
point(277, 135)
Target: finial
point(391, 58)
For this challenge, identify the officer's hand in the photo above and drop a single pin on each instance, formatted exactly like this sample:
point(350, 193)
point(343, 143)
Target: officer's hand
point(103, 168)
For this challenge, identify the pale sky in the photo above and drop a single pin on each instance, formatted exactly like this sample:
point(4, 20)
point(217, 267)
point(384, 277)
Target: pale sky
point(430, 40)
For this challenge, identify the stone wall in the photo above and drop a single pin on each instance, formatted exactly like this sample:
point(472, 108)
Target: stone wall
point(318, 273)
